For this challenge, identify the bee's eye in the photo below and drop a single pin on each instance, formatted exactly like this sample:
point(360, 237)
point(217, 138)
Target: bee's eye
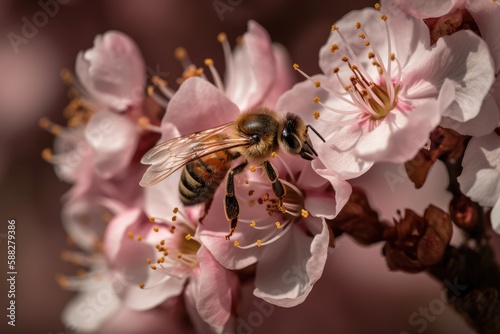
point(255, 139)
point(291, 140)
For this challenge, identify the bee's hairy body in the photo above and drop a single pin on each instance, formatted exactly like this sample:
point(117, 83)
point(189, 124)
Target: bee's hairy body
point(201, 178)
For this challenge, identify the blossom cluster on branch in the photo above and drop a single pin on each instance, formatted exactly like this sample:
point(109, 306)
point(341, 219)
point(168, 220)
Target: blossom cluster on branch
point(407, 98)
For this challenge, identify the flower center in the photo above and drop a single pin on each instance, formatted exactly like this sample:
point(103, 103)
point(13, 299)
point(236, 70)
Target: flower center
point(370, 94)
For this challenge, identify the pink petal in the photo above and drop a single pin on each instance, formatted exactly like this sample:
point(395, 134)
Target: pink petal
point(113, 71)
point(128, 257)
point(284, 78)
point(480, 178)
point(199, 105)
point(113, 139)
point(462, 58)
point(254, 68)
point(399, 137)
point(484, 123)
point(288, 270)
point(211, 286)
point(162, 198)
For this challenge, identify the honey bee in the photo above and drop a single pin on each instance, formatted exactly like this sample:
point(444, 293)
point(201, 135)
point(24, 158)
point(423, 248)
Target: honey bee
point(207, 156)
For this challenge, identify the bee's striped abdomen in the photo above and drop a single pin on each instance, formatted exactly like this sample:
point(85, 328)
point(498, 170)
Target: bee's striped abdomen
point(200, 178)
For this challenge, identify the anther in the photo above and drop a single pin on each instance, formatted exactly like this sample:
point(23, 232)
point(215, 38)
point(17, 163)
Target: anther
point(317, 84)
point(304, 213)
point(295, 67)
point(336, 70)
point(188, 236)
point(253, 223)
point(259, 243)
point(377, 6)
point(172, 230)
point(141, 285)
point(278, 225)
point(367, 43)
point(139, 238)
point(148, 261)
point(335, 28)
point(153, 267)
point(371, 55)
point(175, 210)
point(251, 192)
point(393, 56)
point(174, 218)
point(222, 37)
point(383, 17)
point(180, 53)
point(156, 229)
point(362, 36)
point(334, 48)
point(252, 168)
point(130, 234)
point(209, 62)
point(274, 155)
point(47, 154)
point(236, 243)
point(345, 59)
point(179, 256)
point(316, 114)
point(162, 242)
point(156, 80)
point(316, 99)
point(358, 25)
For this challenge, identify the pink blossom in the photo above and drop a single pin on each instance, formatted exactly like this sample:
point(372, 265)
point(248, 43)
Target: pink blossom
point(399, 89)
point(112, 73)
point(480, 178)
point(449, 16)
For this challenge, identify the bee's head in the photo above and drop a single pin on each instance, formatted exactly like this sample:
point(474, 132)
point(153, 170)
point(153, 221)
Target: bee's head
point(293, 137)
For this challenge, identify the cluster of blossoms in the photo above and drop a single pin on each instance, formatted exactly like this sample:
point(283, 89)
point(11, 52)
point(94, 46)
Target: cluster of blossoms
point(405, 86)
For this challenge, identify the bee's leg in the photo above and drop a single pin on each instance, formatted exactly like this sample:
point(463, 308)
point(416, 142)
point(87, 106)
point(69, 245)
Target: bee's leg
point(278, 188)
point(231, 206)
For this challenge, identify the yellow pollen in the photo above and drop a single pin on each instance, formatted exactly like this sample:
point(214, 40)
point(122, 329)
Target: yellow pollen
point(150, 90)
point(148, 261)
point(172, 230)
point(179, 256)
point(274, 154)
point(222, 37)
point(358, 25)
point(236, 243)
point(47, 154)
point(377, 6)
point(253, 223)
point(139, 238)
point(176, 209)
point(156, 229)
point(334, 48)
point(252, 168)
point(251, 192)
point(295, 67)
point(153, 267)
point(304, 213)
point(141, 285)
point(316, 114)
point(362, 36)
point(156, 80)
point(180, 53)
point(317, 84)
point(316, 99)
point(130, 234)
point(383, 17)
point(143, 121)
point(188, 236)
point(345, 59)
point(174, 218)
point(209, 62)
point(336, 70)
point(259, 243)
point(367, 43)
point(335, 28)
point(393, 56)
point(278, 225)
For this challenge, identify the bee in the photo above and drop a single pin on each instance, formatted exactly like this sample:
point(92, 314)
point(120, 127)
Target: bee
point(207, 156)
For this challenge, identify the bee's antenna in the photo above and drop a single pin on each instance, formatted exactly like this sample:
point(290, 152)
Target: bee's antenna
point(316, 132)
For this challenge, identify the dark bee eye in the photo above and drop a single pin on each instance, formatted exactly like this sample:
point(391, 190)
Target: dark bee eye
point(290, 139)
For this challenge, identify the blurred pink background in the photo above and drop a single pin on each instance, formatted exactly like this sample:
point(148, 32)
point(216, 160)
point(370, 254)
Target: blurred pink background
point(357, 293)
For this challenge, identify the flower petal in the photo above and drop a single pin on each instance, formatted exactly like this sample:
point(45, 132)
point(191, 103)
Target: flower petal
point(480, 178)
point(198, 105)
point(425, 9)
point(113, 139)
point(254, 68)
point(286, 275)
point(113, 71)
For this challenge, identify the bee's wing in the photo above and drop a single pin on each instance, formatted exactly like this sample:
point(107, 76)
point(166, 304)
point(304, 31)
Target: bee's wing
point(167, 157)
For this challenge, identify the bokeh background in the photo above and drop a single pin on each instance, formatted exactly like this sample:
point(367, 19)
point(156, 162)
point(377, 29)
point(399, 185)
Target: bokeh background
point(357, 294)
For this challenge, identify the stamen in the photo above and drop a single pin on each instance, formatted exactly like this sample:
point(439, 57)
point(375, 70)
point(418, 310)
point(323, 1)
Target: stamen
point(215, 75)
point(181, 55)
point(228, 56)
point(144, 123)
